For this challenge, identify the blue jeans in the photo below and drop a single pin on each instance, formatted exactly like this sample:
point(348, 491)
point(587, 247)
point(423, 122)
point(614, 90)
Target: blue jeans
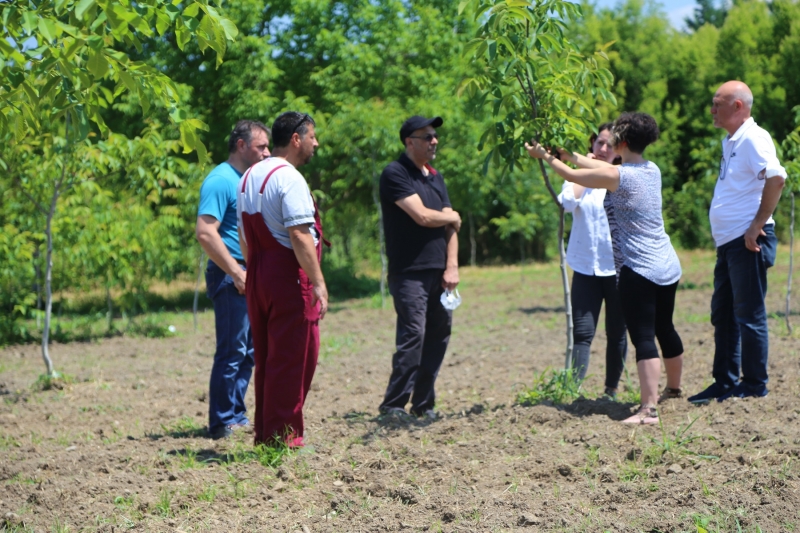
point(233, 359)
point(739, 314)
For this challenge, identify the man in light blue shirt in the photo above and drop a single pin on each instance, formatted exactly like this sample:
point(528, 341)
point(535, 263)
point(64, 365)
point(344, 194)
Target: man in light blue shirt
point(217, 232)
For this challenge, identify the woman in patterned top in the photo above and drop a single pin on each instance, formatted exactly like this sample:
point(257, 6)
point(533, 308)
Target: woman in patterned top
point(648, 269)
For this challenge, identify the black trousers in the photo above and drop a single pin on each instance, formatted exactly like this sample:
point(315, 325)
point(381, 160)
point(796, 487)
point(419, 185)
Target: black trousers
point(423, 331)
point(648, 312)
point(588, 293)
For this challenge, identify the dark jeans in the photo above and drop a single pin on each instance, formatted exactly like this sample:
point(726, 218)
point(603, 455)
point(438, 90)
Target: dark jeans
point(588, 293)
point(423, 331)
point(648, 309)
point(739, 314)
point(233, 359)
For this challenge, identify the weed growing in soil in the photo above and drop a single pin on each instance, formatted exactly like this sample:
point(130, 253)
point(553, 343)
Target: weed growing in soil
point(59, 527)
point(556, 386)
point(185, 427)
point(55, 382)
point(164, 504)
point(670, 447)
point(123, 502)
point(209, 494)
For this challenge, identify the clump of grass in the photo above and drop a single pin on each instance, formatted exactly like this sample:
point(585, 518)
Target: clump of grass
point(55, 382)
point(669, 448)
point(556, 386)
point(184, 427)
point(629, 393)
point(209, 494)
point(164, 504)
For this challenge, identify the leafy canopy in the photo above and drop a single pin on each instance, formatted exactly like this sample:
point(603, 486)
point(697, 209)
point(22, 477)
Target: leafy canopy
point(62, 57)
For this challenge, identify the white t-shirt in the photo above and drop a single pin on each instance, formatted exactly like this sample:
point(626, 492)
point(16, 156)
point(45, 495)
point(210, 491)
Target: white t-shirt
point(748, 159)
point(286, 200)
point(589, 252)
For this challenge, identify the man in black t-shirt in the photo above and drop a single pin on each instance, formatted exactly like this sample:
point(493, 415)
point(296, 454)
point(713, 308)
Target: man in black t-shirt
point(422, 246)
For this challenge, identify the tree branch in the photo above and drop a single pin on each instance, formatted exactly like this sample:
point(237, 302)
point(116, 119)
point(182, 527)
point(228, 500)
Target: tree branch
point(39, 206)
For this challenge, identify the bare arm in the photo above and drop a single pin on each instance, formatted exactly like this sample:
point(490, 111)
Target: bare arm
point(769, 201)
point(242, 244)
point(450, 278)
point(583, 161)
point(306, 253)
point(429, 218)
point(606, 177)
point(207, 232)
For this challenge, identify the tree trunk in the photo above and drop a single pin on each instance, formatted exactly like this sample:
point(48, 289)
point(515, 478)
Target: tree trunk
point(791, 264)
point(110, 305)
point(473, 245)
point(48, 282)
point(197, 288)
point(562, 255)
point(381, 237)
point(37, 268)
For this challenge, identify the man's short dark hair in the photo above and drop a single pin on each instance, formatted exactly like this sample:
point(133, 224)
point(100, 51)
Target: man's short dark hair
point(638, 130)
point(287, 124)
point(244, 131)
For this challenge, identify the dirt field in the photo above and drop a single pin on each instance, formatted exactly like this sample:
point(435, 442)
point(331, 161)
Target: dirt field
point(122, 448)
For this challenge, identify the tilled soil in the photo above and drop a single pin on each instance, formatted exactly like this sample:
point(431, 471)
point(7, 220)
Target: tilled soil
point(122, 448)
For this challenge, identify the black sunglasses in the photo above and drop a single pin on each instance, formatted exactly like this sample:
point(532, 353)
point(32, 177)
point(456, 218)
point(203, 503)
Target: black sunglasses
point(427, 138)
point(306, 118)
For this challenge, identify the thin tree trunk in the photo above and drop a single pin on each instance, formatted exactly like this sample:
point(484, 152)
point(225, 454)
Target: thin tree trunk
point(562, 255)
point(110, 304)
point(791, 264)
point(48, 279)
point(473, 245)
point(381, 237)
point(197, 288)
point(37, 268)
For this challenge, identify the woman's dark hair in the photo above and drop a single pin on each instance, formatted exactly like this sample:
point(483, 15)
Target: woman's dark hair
point(600, 129)
point(289, 123)
point(637, 130)
point(244, 131)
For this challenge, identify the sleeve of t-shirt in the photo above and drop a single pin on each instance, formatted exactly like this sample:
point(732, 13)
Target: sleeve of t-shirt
point(567, 197)
point(215, 196)
point(396, 184)
point(296, 203)
point(445, 196)
point(762, 157)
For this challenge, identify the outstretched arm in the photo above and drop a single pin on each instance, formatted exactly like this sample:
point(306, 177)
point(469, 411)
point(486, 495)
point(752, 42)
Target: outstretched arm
point(581, 160)
point(606, 177)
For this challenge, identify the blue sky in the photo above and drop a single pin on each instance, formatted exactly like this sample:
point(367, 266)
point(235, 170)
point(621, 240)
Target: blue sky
point(676, 10)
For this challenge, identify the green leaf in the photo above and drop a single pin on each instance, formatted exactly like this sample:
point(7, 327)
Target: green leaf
point(231, 31)
point(127, 79)
point(82, 7)
point(98, 65)
point(30, 21)
point(48, 29)
point(191, 10)
point(182, 36)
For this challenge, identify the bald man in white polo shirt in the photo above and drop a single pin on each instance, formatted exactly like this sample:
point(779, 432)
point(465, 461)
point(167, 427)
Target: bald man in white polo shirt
point(748, 189)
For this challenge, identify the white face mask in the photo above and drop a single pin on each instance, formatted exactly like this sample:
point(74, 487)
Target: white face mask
point(450, 299)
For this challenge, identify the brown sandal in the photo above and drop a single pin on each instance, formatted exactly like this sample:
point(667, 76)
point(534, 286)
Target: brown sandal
point(670, 394)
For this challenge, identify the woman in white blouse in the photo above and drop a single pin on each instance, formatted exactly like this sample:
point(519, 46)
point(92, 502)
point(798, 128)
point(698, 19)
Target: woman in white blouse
point(591, 257)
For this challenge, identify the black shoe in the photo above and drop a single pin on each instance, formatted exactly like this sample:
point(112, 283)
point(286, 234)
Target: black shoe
point(395, 412)
point(713, 392)
point(222, 432)
point(428, 414)
point(743, 391)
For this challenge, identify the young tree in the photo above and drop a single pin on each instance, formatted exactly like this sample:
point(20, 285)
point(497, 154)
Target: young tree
point(538, 84)
point(790, 149)
point(60, 67)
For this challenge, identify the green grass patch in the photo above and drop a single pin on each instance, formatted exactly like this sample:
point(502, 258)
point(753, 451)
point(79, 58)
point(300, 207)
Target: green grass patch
point(555, 386)
point(55, 382)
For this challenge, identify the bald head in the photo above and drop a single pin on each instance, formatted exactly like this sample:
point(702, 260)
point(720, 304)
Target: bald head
point(731, 105)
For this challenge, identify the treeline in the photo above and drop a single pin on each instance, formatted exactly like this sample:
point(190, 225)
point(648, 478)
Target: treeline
point(360, 67)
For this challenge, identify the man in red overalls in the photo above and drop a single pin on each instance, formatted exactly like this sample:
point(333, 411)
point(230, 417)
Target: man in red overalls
point(281, 237)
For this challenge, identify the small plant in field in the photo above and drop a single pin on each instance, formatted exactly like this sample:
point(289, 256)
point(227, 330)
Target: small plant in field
point(631, 471)
point(209, 494)
point(271, 456)
point(123, 502)
point(669, 448)
point(592, 459)
point(184, 427)
point(556, 386)
point(629, 393)
point(189, 459)
point(164, 504)
point(56, 381)
point(59, 527)
point(7, 441)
